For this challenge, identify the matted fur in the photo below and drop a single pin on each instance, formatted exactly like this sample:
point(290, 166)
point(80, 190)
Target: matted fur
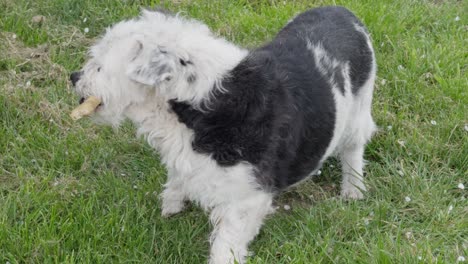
point(235, 127)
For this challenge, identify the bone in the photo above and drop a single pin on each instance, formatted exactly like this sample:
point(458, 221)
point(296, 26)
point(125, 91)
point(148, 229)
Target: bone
point(86, 108)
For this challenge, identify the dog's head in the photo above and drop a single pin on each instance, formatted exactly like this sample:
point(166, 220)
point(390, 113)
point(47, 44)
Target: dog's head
point(155, 55)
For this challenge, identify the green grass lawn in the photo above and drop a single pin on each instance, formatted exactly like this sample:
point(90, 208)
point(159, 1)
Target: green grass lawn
point(81, 193)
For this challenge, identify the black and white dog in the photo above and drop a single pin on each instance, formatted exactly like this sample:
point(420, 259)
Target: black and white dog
point(235, 127)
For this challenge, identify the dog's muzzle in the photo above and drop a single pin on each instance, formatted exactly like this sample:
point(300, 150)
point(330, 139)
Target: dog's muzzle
point(75, 77)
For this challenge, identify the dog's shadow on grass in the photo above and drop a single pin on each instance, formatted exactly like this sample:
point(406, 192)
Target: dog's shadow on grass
point(313, 190)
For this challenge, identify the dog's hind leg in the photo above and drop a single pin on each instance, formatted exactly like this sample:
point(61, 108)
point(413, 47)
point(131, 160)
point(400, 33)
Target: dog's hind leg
point(352, 152)
point(351, 155)
point(235, 225)
point(360, 130)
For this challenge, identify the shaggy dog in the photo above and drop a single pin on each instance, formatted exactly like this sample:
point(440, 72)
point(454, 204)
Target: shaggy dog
point(236, 127)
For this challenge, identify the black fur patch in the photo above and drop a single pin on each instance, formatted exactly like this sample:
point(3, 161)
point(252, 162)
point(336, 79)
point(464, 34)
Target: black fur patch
point(334, 28)
point(278, 111)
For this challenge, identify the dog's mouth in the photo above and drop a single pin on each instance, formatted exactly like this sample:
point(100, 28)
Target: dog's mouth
point(87, 107)
point(82, 100)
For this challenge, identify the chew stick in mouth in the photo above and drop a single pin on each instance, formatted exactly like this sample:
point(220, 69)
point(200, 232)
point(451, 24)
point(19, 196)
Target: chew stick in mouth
point(86, 108)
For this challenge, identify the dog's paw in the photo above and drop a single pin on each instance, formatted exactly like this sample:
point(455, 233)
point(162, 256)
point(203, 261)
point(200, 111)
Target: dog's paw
point(352, 193)
point(168, 212)
point(171, 208)
point(227, 258)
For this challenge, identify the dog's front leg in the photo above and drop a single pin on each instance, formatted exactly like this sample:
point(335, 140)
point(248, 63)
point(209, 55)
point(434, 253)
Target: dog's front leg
point(235, 225)
point(173, 195)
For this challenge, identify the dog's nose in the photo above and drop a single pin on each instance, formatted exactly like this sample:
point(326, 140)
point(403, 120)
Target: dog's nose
point(75, 77)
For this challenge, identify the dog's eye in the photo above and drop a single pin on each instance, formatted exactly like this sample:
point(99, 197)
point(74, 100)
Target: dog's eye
point(185, 62)
point(99, 69)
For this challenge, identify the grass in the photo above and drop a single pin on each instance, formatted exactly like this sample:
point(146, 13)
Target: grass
point(80, 193)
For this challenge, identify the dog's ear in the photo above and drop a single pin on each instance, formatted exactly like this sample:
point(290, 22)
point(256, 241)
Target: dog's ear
point(150, 65)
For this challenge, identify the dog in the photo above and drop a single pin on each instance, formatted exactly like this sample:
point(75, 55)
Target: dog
point(236, 127)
